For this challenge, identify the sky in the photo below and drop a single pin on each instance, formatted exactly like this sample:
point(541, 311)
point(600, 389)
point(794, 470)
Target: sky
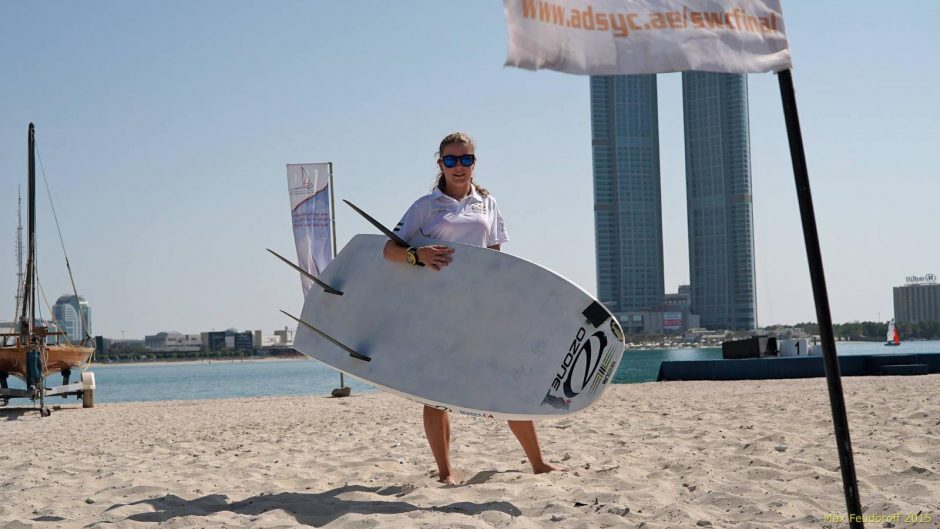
point(164, 129)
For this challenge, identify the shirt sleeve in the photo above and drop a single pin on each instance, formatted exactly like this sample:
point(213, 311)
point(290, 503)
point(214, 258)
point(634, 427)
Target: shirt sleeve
point(497, 233)
point(410, 222)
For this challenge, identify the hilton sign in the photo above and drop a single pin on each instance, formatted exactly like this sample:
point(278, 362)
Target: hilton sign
point(918, 280)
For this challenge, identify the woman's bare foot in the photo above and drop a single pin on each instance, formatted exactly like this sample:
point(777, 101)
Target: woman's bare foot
point(548, 467)
point(525, 433)
point(437, 429)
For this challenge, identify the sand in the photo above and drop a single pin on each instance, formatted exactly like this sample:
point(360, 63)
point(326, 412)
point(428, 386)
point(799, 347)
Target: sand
point(675, 454)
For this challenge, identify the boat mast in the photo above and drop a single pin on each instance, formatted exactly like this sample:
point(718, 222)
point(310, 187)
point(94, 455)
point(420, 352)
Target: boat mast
point(28, 316)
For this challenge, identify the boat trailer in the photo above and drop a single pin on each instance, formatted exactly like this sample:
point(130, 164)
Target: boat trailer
point(83, 389)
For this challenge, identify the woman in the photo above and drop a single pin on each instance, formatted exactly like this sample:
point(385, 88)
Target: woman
point(457, 210)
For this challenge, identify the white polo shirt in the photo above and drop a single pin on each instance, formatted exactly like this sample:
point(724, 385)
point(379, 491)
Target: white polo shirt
point(472, 220)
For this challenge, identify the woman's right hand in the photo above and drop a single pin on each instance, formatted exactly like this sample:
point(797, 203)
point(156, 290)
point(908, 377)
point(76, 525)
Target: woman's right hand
point(436, 256)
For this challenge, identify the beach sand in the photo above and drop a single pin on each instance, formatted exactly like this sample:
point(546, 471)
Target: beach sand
point(674, 454)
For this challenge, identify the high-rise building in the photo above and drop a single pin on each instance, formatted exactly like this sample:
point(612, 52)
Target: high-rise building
point(917, 301)
point(627, 197)
point(718, 191)
point(70, 320)
point(627, 207)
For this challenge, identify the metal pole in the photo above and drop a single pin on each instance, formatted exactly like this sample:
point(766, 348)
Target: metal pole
point(31, 230)
point(332, 210)
point(823, 316)
point(342, 384)
point(35, 366)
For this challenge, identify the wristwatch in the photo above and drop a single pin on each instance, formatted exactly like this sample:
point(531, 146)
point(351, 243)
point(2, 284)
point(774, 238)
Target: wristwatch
point(411, 255)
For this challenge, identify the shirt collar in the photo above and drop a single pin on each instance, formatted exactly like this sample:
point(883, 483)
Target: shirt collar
point(474, 195)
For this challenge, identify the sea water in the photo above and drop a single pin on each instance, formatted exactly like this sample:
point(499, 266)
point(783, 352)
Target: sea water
point(643, 365)
point(252, 378)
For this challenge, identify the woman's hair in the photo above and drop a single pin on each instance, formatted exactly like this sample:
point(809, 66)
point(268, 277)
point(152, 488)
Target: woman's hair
point(457, 138)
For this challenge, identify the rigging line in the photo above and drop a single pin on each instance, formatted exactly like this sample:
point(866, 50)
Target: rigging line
point(35, 272)
point(59, 325)
point(68, 266)
point(43, 350)
point(16, 313)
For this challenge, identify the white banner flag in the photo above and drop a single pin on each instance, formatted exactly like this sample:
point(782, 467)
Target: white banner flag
point(309, 186)
point(611, 37)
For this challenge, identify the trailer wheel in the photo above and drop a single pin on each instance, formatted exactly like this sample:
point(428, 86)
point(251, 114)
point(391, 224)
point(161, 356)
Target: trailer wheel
point(88, 393)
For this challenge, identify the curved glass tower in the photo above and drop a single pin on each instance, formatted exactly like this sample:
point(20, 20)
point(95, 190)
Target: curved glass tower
point(66, 312)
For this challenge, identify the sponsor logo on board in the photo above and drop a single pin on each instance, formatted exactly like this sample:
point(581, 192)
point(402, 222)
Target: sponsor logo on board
point(615, 329)
point(604, 372)
point(581, 369)
point(480, 414)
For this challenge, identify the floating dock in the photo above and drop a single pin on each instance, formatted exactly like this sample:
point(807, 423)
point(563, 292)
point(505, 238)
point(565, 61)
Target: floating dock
point(799, 367)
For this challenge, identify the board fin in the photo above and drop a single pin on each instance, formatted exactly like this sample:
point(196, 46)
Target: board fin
point(388, 233)
point(329, 338)
point(596, 314)
point(308, 275)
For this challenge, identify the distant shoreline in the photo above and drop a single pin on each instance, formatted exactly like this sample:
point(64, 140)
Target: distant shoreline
point(220, 360)
point(631, 347)
point(234, 360)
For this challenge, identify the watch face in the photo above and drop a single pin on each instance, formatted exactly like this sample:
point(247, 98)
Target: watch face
point(410, 256)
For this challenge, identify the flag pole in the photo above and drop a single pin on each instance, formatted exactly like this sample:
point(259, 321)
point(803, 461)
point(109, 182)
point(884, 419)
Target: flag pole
point(821, 297)
point(342, 384)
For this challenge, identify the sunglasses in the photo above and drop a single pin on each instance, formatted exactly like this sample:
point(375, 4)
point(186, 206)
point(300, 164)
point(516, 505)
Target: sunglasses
point(465, 160)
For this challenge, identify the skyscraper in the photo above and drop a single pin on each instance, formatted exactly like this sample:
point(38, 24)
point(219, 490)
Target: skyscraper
point(66, 312)
point(627, 207)
point(918, 301)
point(627, 198)
point(718, 191)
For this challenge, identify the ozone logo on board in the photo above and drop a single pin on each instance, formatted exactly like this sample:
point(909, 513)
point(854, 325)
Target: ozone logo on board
point(578, 368)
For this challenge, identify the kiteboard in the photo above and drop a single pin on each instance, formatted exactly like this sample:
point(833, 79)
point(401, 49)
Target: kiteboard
point(490, 335)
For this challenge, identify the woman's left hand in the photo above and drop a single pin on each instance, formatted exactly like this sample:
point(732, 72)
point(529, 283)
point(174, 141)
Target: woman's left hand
point(436, 256)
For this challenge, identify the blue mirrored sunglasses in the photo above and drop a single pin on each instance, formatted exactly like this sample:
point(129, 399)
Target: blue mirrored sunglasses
point(465, 160)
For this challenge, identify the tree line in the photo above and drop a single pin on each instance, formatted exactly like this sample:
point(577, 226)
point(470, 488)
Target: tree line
point(138, 353)
point(875, 331)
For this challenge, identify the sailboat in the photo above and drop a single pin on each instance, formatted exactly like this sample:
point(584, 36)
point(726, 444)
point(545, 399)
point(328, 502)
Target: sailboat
point(32, 350)
point(893, 338)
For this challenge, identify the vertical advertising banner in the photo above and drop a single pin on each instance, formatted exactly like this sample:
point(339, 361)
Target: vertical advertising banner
point(309, 187)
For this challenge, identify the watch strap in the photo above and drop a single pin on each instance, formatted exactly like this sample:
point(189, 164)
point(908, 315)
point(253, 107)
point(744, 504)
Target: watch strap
point(414, 251)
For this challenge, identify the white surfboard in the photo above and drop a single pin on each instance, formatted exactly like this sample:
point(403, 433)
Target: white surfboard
point(490, 335)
